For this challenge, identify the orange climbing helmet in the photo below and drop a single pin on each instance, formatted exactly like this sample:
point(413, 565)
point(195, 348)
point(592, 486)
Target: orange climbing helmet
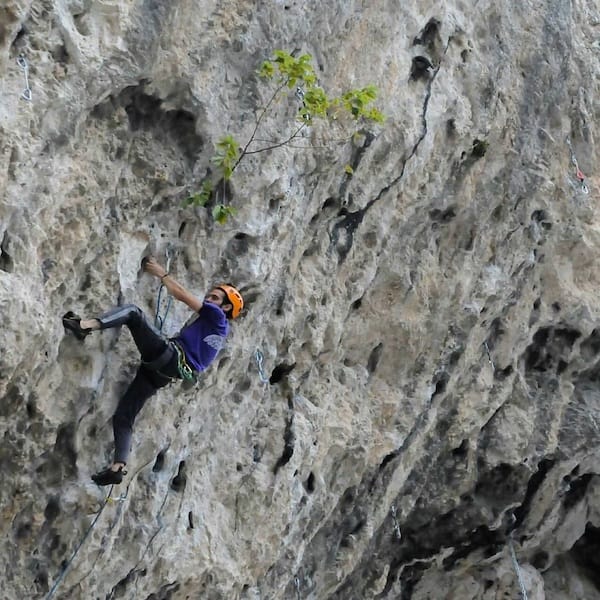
point(234, 298)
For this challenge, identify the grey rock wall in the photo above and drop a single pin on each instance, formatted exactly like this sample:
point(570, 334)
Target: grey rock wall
point(429, 324)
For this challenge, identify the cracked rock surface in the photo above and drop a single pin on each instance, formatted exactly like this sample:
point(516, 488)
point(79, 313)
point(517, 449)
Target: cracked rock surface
point(427, 403)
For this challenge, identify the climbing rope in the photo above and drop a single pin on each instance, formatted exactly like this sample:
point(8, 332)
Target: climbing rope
point(517, 569)
point(70, 561)
point(258, 355)
point(184, 369)
point(159, 319)
point(26, 93)
point(578, 172)
point(396, 524)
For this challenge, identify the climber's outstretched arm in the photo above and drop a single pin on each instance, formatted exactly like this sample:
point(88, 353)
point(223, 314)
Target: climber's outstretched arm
point(173, 287)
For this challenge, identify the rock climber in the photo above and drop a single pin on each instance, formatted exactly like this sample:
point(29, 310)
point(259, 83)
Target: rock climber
point(191, 351)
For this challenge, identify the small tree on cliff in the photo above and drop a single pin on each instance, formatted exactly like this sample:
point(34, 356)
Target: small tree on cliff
point(287, 76)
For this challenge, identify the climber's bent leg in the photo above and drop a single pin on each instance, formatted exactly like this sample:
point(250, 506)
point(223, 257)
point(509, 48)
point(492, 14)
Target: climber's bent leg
point(146, 337)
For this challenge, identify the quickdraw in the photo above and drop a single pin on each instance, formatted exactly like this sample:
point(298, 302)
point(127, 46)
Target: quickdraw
point(26, 93)
point(159, 320)
point(258, 355)
point(578, 172)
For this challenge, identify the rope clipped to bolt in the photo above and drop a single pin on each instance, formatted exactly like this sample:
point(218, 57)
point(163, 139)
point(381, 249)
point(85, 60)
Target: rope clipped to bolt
point(578, 172)
point(160, 319)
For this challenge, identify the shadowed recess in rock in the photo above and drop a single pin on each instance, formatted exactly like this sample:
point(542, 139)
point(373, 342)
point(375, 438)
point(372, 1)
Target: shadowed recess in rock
point(289, 440)
point(179, 481)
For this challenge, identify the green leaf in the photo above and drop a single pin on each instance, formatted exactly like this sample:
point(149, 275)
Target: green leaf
point(221, 213)
point(267, 70)
point(201, 197)
point(349, 170)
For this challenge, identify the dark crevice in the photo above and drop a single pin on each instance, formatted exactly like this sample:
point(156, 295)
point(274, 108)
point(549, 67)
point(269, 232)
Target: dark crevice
point(440, 381)
point(279, 372)
point(6, 261)
point(309, 484)
point(533, 486)
point(586, 553)
point(289, 439)
point(576, 490)
point(179, 481)
point(374, 358)
point(159, 463)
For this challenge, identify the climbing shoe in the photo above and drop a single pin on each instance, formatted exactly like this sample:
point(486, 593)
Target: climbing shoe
point(109, 477)
point(71, 322)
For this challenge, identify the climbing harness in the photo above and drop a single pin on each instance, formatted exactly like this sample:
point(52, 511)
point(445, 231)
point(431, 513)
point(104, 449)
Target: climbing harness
point(70, 561)
point(396, 525)
point(517, 569)
point(26, 93)
point(578, 172)
point(159, 320)
point(259, 363)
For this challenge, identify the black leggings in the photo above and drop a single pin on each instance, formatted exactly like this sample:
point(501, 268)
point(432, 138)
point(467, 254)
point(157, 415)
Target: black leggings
point(147, 381)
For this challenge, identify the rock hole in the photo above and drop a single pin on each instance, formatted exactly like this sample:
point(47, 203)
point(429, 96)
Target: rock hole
point(238, 245)
point(442, 216)
point(159, 463)
point(501, 374)
point(420, 68)
point(280, 372)
point(462, 450)
point(540, 560)
point(374, 358)
point(6, 261)
point(288, 444)
point(190, 520)
point(429, 34)
point(479, 148)
point(179, 481)
point(52, 509)
point(356, 304)
point(331, 202)
point(31, 408)
point(309, 484)
point(256, 453)
point(440, 382)
point(181, 229)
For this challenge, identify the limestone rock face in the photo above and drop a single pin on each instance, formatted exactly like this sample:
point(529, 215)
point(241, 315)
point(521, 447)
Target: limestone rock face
point(427, 405)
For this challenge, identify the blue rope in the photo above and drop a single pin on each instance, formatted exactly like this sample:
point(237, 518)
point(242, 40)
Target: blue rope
point(70, 561)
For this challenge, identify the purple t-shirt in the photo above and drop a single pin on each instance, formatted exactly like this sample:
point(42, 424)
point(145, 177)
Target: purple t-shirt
point(202, 339)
